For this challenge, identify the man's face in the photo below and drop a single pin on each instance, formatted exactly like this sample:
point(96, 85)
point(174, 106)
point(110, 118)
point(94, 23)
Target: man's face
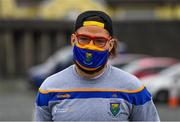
point(93, 36)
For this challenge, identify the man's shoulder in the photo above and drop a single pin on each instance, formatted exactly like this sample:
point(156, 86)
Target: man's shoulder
point(125, 79)
point(131, 87)
point(56, 79)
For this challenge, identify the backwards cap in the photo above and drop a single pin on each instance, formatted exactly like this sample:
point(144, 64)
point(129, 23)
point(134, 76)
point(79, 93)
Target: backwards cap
point(106, 24)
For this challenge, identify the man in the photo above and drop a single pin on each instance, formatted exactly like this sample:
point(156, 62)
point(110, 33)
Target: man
point(92, 90)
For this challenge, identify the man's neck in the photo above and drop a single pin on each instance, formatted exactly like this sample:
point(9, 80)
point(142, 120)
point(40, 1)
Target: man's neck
point(87, 75)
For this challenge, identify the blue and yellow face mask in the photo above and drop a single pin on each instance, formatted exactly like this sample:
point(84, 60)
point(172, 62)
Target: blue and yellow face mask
point(90, 58)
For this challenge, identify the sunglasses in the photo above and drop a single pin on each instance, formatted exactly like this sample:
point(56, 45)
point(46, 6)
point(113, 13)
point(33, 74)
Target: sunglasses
point(86, 39)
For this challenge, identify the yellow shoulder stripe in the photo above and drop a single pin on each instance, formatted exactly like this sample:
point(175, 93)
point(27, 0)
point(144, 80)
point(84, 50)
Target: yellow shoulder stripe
point(91, 90)
point(95, 23)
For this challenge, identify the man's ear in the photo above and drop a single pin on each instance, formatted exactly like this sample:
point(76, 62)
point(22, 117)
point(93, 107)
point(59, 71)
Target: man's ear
point(111, 44)
point(73, 39)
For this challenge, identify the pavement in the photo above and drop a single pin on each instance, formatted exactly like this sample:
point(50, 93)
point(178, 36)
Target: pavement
point(17, 103)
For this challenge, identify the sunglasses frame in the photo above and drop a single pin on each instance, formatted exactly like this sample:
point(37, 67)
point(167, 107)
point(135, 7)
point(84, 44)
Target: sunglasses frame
point(92, 38)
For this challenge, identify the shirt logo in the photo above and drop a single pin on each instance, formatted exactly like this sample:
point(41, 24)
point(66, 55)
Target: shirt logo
point(114, 95)
point(63, 96)
point(88, 57)
point(115, 108)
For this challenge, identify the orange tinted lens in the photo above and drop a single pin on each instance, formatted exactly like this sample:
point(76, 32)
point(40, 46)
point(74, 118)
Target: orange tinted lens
point(100, 42)
point(83, 40)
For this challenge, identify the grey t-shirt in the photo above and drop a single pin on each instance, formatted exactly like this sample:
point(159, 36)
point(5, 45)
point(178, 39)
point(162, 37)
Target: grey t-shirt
point(114, 96)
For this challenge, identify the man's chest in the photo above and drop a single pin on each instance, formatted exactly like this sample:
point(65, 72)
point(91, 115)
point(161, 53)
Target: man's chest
point(90, 109)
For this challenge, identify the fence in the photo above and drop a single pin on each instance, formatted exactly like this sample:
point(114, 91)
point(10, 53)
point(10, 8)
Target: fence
point(24, 43)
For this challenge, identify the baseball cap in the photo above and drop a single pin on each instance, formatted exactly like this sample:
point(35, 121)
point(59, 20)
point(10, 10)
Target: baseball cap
point(106, 24)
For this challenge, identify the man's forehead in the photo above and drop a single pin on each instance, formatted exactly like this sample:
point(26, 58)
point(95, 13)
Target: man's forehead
point(95, 30)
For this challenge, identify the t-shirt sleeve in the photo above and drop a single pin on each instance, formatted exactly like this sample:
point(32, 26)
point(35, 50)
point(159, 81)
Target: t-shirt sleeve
point(146, 111)
point(42, 112)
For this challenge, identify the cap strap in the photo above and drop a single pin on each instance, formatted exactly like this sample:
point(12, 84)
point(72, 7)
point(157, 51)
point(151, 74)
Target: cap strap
point(95, 23)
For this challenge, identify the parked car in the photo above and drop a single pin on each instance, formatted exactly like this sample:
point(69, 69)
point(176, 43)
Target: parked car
point(123, 59)
point(160, 85)
point(55, 63)
point(149, 66)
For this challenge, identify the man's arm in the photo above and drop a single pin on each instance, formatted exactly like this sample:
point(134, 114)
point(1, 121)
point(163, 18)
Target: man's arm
point(145, 112)
point(42, 112)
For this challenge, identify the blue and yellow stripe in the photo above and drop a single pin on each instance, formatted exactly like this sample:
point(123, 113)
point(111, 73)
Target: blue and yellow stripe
point(136, 97)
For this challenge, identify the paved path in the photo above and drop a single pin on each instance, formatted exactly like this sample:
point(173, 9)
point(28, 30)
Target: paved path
point(16, 101)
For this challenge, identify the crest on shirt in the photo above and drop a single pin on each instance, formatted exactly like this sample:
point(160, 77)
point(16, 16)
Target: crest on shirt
point(114, 108)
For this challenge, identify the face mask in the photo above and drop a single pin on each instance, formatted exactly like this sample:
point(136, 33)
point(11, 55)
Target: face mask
point(90, 60)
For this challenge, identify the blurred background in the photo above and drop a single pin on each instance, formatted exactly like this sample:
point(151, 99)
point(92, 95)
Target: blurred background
point(35, 43)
